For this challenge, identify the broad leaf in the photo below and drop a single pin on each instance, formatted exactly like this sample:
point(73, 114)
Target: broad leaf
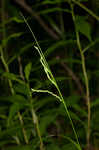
point(83, 26)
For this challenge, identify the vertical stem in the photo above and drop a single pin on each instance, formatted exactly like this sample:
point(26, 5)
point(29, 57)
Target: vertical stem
point(62, 99)
point(3, 19)
point(12, 92)
point(34, 117)
point(87, 91)
point(4, 37)
point(23, 130)
point(35, 121)
point(86, 80)
point(6, 66)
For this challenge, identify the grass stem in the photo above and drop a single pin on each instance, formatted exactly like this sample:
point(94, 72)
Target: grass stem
point(36, 122)
point(86, 79)
point(86, 9)
point(51, 79)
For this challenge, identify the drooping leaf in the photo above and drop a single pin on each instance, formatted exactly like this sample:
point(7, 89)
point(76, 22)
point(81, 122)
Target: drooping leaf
point(50, 10)
point(12, 76)
point(27, 70)
point(14, 35)
point(16, 98)
point(57, 45)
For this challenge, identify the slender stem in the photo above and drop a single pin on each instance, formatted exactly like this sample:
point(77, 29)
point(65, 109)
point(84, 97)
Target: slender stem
point(12, 92)
point(90, 45)
point(17, 140)
point(50, 31)
point(86, 79)
point(23, 129)
point(34, 117)
point(2, 49)
point(3, 24)
point(86, 9)
point(51, 78)
point(6, 66)
point(7, 70)
point(67, 112)
point(35, 121)
point(20, 68)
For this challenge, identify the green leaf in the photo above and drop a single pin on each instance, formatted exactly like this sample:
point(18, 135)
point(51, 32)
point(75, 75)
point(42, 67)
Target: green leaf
point(19, 102)
point(21, 147)
point(72, 100)
point(12, 76)
point(10, 131)
point(75, 116)
point(95, 120)
point(17, 20)
point(45, 121)
point(14, 35)
point(95, 102)
point(43, 102)
point(51, 2)
point(13, 99)
point(53, 147)
point(5, 142)
point(22, 89)
point(81, 111)
point(83, 26)
point(27, 70)
point(58, 45)
point(16, 107)
point(22, 50)
point(50, 10)
point(69, 147)
point(11, 19)
point(1, 70)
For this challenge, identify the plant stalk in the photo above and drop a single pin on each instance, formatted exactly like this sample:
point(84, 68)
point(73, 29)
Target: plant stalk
point(2, 48)
point(86, 9)
point(86, 80)
point(35, 121)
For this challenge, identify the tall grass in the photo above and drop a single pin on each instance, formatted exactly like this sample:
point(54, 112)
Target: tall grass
point(53, 81)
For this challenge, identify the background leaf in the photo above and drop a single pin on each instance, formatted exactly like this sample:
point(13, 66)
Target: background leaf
point(27, 70)
point(83, 26)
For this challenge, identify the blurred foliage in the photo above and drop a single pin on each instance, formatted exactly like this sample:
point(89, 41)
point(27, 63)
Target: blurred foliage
point(25, 117)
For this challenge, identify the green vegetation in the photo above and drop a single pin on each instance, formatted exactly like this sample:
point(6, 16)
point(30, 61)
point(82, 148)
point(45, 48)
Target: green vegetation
point(49, 75)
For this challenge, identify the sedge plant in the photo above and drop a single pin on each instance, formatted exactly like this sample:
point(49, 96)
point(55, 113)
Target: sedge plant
point(53, 81)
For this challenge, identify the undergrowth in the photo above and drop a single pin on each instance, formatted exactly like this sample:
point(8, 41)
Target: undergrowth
point(56, 110)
